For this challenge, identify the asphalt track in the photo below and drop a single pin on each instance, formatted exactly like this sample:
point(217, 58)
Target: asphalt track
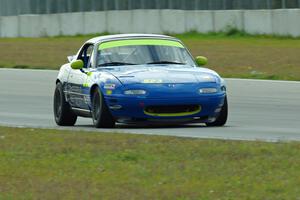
point(258, 110)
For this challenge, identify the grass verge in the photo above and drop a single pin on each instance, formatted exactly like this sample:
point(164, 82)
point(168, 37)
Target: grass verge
point(232, 54)
point(51, 164)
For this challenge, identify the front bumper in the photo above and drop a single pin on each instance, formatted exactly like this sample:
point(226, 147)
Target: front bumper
point(126, 109)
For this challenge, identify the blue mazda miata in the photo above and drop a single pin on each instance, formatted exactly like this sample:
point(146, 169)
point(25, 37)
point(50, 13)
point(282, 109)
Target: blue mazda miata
point(138, 78)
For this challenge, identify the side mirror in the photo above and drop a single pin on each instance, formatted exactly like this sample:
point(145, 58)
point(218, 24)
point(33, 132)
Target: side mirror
point(201, 60)
point(77, 64)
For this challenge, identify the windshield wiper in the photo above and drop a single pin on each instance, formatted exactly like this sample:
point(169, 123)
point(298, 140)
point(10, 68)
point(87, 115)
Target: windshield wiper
point(115, 64)
point(166, 62)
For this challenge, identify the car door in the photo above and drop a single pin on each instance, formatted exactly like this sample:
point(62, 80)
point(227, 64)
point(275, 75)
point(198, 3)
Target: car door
point(77, 78)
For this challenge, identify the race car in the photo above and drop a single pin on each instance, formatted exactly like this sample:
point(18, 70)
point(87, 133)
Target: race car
point(138, 78)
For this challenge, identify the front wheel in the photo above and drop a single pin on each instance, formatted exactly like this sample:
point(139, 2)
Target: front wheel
point(102, 117)
point(63, 114)
point(222, 118)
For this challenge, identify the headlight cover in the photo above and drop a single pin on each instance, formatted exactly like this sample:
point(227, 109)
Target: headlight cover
point(135, 92)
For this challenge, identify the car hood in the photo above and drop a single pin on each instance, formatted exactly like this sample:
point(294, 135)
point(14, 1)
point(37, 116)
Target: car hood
point(162, 74)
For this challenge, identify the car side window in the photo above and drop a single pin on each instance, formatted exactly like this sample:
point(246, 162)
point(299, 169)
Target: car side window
point(86, 54)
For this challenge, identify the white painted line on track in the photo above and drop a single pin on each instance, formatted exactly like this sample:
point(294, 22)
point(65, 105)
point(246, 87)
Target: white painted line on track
point(37, 70)
point(261, 80)
point(118, 131)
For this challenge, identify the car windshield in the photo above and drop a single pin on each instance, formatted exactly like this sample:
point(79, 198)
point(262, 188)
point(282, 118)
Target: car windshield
point(140, 52)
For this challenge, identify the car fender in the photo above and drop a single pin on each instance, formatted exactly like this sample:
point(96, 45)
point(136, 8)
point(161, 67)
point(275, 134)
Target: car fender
point(101, 80)
point(63, 73)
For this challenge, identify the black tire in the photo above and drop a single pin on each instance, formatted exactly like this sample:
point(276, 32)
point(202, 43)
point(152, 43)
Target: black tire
point(102, 117)
point(63, 113)
point(222, 118)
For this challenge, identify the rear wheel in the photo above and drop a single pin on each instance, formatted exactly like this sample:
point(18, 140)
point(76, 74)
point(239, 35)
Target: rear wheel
point(63, 113)
point(102, 117)
point(222, 118)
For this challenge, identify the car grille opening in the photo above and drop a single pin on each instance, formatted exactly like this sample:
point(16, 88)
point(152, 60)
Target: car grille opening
point(172, 110)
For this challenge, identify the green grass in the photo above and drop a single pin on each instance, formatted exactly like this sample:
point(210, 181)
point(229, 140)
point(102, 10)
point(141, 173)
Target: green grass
point(51, 164)
point(232, 54)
